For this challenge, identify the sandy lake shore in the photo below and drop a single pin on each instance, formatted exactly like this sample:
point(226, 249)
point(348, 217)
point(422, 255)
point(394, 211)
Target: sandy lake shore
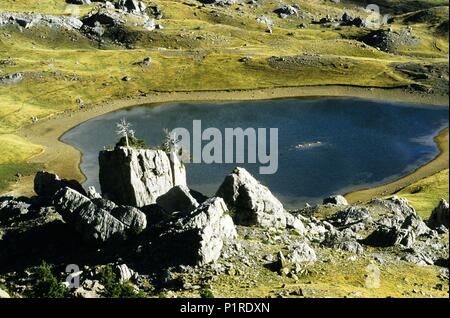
point(65, 160)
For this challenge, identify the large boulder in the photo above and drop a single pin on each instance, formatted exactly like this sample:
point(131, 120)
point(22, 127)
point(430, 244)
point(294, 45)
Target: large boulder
point(137, 177)
point(252, 202)
point(178, 199)
point(46, 184)
point(11, 208)
point(402, 227)
point(198, 238)
point(95, 222)
point(440, 215)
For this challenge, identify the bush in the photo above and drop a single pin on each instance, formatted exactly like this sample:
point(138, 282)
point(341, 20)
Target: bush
point(206, 293)
point(133, 142)
point(114, 288)
point(47, 285)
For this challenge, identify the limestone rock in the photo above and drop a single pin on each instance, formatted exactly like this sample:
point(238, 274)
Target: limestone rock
point(335, 199)
point(11, 208)
point(95, 223)
point(198, 238)
point(46, 184)
point(440, 215)
point(137, 177)
point(123, 272)
point(302, 253)
point(178, 199)
point(253, 203)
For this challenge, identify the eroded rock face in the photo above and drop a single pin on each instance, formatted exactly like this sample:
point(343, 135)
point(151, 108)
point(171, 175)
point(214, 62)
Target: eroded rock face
point(252, 202)
point(137, 177)
point(402, 227)
point(95, 222)
point(199, 237)
point(440, 215)
point(178, 199)
point(28, 20)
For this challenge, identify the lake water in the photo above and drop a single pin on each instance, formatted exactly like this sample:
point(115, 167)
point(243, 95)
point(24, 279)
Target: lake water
point(326, 145)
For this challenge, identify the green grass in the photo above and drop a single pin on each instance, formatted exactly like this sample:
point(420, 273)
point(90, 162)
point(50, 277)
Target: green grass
point(9, 172)
point(425, 194)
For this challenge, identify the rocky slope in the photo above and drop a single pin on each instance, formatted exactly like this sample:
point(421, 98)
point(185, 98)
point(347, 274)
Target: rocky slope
point(183, 243)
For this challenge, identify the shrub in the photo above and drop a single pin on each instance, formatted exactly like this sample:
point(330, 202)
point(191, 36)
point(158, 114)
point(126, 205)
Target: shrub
point(132, 141)
point(113, 288)
point(47, 285)
point(206, 293)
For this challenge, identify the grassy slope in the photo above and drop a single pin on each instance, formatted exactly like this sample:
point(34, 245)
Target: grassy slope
point(198, 49)
point(425, 194)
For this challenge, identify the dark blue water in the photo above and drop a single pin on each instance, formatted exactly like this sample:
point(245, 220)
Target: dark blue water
point(362, 143)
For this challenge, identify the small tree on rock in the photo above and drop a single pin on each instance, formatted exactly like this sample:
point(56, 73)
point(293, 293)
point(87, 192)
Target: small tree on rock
point(124, 130)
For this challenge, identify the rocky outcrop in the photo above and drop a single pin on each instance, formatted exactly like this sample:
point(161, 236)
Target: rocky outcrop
point(46, 184)
point(98, 221)
point(253, 203)
point(137, 177)
point(440, 216)
point(178, 199)
point(11, 208)
point(402, 227)
point(28, 20)
point(11, 78)
point(354, 218)
point(198, 238)
point(335, 199)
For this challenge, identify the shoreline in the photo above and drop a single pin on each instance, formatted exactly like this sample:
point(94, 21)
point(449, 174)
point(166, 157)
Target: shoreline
point(65, 160)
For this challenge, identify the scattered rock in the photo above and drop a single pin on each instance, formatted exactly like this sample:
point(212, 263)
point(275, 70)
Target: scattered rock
point(4, 294)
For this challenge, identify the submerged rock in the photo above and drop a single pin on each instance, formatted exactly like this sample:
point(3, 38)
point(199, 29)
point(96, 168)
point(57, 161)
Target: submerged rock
point(252, 202)
point(137, 177)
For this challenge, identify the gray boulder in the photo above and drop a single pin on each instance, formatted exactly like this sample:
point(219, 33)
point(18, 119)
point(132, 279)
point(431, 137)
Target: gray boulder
point(11, 78)
point(352, 218)
point(253, 203)
point(137, 177)
point(94, 223)
point(28, 20)
point(440, 215)
point(178, 199)
point(46, 184)
point(198, 238)
point(335, 199)
point(301, 254)
point(11, 208)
